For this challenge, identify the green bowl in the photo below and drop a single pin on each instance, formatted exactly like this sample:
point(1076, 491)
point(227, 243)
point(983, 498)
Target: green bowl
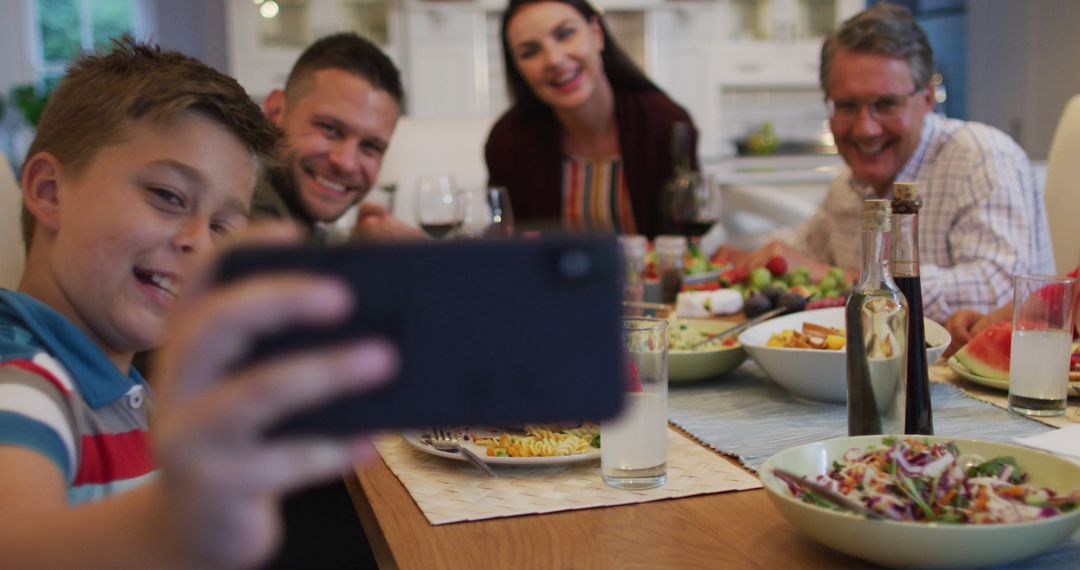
point(685, 366)
point(911, 544)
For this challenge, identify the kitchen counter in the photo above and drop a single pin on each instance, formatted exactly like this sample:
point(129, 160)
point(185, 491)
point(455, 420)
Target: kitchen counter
point(775, 169)
point(762, 194)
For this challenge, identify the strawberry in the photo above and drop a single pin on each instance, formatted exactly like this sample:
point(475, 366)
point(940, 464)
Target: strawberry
point(777, 265)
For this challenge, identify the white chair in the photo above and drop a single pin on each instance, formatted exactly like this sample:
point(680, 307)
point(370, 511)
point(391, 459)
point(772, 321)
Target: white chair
point(1063, 188)
point(12, 253)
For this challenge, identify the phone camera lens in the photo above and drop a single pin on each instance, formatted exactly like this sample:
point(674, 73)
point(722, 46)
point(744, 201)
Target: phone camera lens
point(575, 264)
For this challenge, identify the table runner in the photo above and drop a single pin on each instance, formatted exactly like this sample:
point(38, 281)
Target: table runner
point(450, 491)
point(749, 417)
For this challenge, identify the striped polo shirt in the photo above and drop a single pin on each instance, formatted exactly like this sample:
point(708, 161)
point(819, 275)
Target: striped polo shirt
point(595, 196)
point(61, 396)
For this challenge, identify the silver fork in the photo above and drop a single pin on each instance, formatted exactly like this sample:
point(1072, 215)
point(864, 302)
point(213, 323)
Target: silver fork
point(444, 440)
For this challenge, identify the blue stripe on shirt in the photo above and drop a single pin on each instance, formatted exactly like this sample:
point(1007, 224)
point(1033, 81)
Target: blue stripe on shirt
point(21, 431)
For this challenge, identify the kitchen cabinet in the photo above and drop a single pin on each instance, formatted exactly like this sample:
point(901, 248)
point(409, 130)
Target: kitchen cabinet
point(776, 42)
point(684, 47)
point(447, 59)
point(265, 42)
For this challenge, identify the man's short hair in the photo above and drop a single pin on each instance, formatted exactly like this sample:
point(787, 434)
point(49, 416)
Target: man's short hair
point(884, 29)
point(102, 96)
point(348, 52)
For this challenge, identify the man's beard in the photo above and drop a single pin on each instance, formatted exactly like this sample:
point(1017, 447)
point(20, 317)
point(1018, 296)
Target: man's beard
point(284, 180)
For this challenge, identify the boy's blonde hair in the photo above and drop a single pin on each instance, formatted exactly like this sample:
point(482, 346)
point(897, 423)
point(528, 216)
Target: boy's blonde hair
point(103, 95)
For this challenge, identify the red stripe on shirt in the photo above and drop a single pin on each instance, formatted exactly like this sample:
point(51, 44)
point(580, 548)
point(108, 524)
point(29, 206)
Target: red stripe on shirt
point(32, 367)
point(114, 457)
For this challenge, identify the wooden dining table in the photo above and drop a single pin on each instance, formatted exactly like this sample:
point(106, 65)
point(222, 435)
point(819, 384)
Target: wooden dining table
point(740, 529)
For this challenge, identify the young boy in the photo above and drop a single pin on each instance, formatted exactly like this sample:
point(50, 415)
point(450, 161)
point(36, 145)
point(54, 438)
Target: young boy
point(144, 162)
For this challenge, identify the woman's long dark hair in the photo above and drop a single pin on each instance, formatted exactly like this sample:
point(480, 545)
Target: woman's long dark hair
point(621, 71)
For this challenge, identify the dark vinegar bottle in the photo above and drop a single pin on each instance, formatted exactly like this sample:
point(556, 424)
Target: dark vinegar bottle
point(918, 415)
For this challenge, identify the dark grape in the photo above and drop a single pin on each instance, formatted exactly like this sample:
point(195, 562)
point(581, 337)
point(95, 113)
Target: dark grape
point(773, 293)
point(756, 304)
point(793, 301)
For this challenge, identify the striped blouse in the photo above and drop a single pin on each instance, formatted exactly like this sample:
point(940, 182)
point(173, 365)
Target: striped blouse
point(595, 196)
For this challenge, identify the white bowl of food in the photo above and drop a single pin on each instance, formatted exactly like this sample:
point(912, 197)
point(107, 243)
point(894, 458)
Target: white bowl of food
point(997, 531)
point(707, 361)
point(817, 374)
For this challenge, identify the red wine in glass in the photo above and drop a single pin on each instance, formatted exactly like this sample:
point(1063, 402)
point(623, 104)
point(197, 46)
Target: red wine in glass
point(437, 230)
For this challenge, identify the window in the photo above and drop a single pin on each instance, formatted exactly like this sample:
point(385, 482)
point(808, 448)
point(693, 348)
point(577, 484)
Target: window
point(65, 28)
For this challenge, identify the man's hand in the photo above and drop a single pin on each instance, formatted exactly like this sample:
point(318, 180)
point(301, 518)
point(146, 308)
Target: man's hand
point(959, 325)
point(963, 325)
point(374, 222)
point(221, 479)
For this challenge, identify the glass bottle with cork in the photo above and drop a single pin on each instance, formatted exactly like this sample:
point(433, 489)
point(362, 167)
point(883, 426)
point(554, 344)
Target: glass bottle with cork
point(918, 415)
point(876, 316)
point(670, 254)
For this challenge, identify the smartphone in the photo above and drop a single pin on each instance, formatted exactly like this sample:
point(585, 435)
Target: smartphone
point(489, 332)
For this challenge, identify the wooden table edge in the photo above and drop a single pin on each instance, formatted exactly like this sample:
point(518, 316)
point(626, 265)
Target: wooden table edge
point(380, 547)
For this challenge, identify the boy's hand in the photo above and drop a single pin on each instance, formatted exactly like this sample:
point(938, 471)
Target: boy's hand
point(221, 479)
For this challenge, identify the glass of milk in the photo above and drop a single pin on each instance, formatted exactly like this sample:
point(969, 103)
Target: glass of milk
point(1041, 344)
point(633, 446)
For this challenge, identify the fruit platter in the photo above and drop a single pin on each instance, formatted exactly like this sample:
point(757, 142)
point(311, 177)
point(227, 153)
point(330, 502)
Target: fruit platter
point(756, 291)
point(985, 359)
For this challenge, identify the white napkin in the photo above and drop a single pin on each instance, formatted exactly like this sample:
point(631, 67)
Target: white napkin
point(1064, 442)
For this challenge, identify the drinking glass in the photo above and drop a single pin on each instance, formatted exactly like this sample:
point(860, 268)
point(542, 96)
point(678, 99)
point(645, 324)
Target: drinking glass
point(485, 213)
point(695, 204)
point(633, 446)
point(437, 207)
point(1041, 344)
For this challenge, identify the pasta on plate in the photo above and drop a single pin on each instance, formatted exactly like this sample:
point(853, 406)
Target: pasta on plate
point(540, 441)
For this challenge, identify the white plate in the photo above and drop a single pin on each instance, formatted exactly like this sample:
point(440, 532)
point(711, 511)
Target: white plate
point(1003, 385)
point(412, 437)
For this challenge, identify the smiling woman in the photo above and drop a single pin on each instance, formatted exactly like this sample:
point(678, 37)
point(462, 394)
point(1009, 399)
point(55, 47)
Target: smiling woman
point(579, 145)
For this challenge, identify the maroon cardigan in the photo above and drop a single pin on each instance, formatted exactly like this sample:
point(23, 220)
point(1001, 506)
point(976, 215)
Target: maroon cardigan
point(524, 154)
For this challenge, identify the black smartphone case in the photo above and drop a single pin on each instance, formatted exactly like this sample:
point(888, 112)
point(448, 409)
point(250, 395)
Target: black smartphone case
point(489, 332)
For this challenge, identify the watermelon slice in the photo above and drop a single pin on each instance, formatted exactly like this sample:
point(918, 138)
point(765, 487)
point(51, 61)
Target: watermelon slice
point(987, 354)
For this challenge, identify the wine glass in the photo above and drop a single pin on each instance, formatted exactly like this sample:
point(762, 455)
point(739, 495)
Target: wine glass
point(485, 213)
point(695, 204)
point(437, 207)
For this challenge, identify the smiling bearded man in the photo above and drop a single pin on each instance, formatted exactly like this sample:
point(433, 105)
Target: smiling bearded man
point(983, 218)
point(339, 108)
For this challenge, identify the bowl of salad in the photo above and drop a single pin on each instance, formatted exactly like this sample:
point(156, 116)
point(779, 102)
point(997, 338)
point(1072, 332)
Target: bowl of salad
point(942, 502)
point(805, 352)
point(707, 361)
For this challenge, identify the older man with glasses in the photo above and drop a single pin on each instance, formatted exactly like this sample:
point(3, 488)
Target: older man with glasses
point(983, 217)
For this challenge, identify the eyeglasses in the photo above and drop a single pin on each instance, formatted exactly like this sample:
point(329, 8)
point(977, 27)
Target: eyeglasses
point(882, 109)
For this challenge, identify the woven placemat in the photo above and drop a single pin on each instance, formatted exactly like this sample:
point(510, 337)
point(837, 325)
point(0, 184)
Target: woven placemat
point(449, 491)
